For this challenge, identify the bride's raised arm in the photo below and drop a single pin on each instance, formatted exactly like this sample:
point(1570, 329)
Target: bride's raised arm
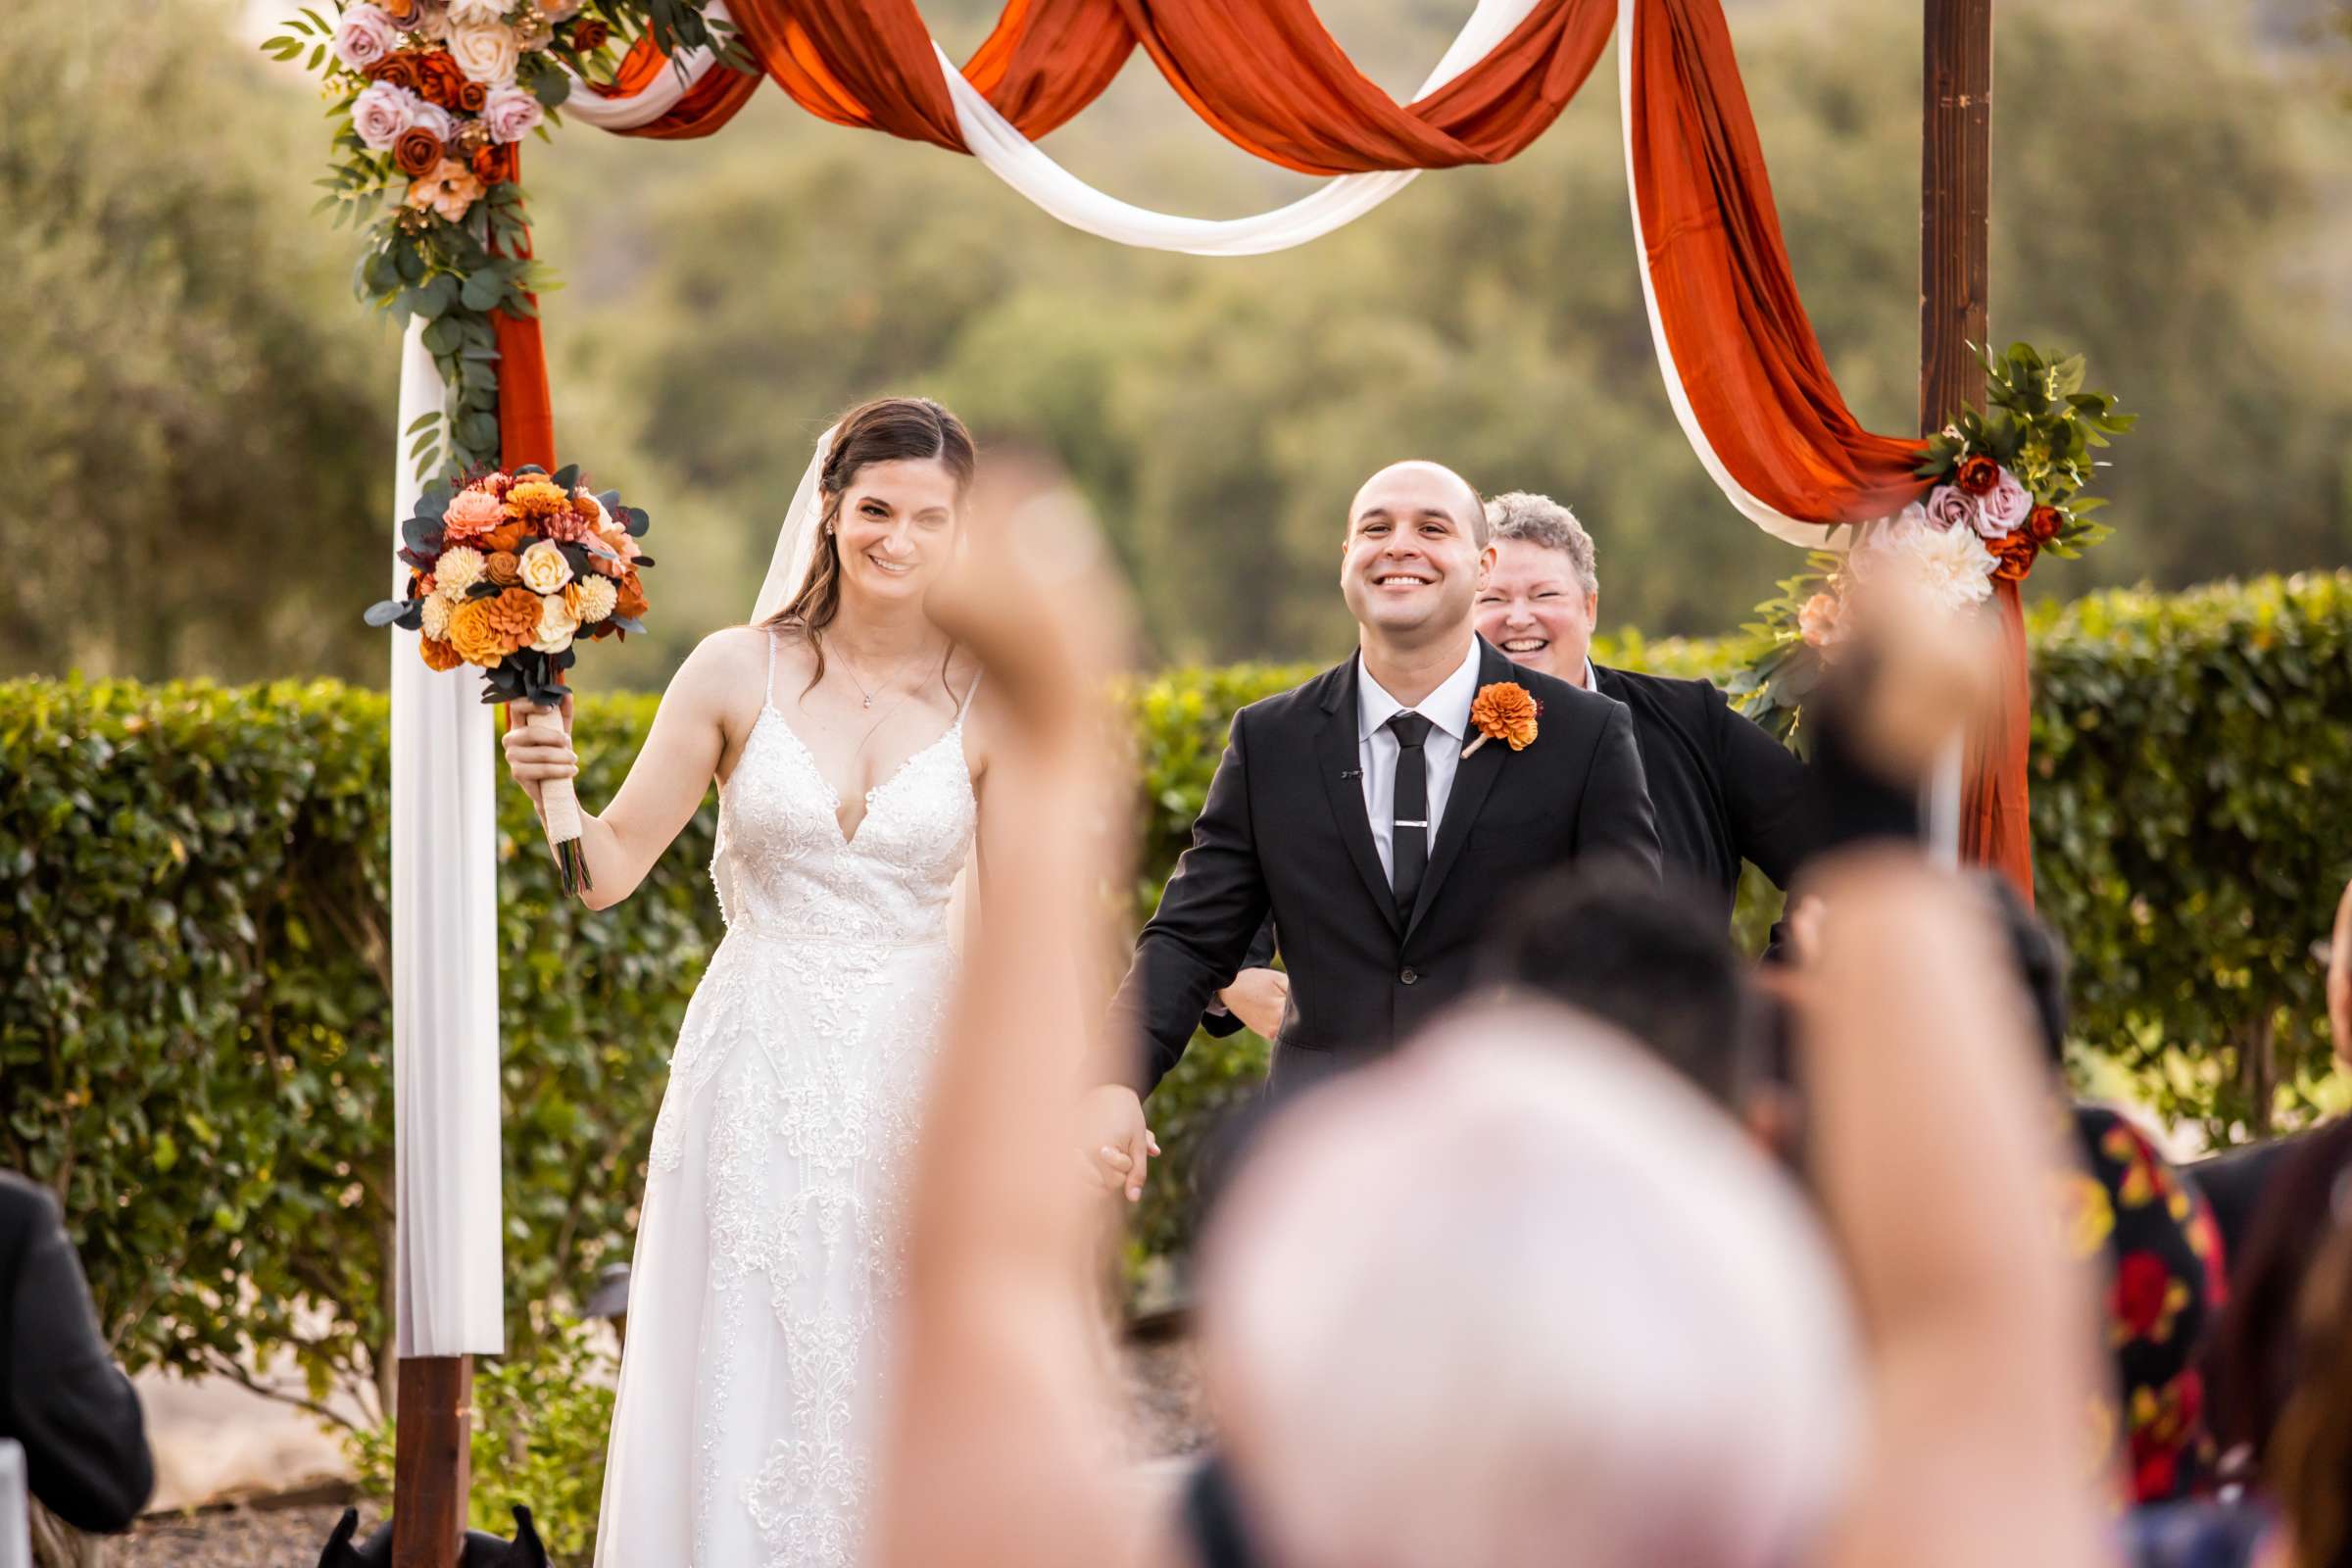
point(695, 729)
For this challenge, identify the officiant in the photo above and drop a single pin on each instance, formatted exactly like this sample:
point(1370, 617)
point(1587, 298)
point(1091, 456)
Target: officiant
point(1723, 791)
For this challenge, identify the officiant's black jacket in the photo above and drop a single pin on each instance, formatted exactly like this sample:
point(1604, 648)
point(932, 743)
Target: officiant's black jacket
point(1724, 792)
point(1284, 832)
point(61, 1395)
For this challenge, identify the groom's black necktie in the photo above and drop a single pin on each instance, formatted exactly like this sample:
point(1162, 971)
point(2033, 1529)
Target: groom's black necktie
point(1408, 830)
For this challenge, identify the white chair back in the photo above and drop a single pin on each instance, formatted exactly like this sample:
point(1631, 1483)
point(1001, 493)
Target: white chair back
point(15, 1509)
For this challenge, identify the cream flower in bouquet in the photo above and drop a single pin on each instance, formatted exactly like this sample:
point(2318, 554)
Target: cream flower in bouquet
point(543, 569)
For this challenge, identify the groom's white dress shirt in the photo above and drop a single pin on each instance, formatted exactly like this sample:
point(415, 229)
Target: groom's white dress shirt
point(1447, 710)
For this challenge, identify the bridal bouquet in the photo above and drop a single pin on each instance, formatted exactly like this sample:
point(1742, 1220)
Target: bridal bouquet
point(2010, 484)
point(509, 573)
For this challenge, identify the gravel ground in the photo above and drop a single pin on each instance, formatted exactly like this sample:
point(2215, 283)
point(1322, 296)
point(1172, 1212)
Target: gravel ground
point(236, 1538)
point(1163, 1382)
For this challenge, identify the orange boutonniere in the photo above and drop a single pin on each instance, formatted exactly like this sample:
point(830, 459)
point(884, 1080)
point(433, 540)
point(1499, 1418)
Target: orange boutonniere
point(1504, 712)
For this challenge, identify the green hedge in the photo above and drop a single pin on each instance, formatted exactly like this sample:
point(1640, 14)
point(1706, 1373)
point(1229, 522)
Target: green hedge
point(192, 1024)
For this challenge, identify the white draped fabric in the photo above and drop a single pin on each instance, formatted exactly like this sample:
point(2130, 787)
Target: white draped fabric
point(448, 1297)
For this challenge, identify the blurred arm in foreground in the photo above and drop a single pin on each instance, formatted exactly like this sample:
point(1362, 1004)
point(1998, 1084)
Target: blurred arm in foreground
point(998, 1452)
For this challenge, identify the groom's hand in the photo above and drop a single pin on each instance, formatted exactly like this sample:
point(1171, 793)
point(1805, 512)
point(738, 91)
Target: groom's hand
point(1258, 998)
point(1115, 1141)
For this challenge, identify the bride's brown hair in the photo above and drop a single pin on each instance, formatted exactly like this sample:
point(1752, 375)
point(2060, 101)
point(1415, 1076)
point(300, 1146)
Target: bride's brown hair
point(884, 430)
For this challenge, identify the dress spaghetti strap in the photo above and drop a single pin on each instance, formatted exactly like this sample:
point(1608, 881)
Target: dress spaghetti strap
point(965, 705)
point(767, 696)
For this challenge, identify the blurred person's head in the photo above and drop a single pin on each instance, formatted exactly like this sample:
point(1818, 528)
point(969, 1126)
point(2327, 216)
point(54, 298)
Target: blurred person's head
point(1650, 957)
point(2255, 1364)
point(1519, 1296)
point(2040, 957)
point(1416, 555)
point(1542, 594)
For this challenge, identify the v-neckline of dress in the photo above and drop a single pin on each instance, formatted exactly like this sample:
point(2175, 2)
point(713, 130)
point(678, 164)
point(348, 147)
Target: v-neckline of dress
point(849, 837)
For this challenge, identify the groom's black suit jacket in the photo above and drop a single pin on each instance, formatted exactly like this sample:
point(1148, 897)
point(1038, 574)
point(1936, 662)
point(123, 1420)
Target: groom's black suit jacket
point(1285, 831)
point(1723, 791)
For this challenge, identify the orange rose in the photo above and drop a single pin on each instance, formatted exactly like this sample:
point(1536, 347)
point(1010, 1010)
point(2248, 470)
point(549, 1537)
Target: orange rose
point(440, 655)
point(2043, 522)
point(2015, 551)
point(400, 70)
point(417, 152)
point(503, 567)
point(508, 538)
point(588, 34)
point(439, 79)
point(631, 600)
point(472, 96)
point(1503, 711)
point(493, 164)
point(1978, 475)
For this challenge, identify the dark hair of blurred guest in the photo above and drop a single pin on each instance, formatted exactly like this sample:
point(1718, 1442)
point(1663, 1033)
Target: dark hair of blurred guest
point(2254, 1359)
point(2311, 1448)
point(1654, 959)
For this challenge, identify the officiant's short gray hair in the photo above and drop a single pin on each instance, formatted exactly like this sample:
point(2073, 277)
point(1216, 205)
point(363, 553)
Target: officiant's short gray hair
point(1540, 520)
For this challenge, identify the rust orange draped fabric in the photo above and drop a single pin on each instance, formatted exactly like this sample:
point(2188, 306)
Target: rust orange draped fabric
point(1748, 358)
point(1752, 370)
point(1997, 827)
point(1272, 81)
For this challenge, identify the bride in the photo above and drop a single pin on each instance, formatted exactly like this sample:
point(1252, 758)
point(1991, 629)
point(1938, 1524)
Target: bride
point(850, 767)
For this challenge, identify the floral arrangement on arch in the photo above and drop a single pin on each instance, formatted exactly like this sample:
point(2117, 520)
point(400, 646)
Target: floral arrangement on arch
point(2010, 484)
point(429, 101)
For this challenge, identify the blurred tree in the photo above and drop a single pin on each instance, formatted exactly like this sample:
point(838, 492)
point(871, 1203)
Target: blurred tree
point(196, 419)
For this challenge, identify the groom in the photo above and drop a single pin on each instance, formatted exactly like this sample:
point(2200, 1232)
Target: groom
point(1348, 808)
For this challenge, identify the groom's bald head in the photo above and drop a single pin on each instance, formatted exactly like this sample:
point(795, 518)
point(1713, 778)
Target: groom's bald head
point(1402, 488)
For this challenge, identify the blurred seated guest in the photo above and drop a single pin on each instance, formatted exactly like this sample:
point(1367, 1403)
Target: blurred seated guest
point(61, 1395)
point(1512, 1295)
point(2301, 1515)
point(1723, 791)
point(2255, 1364)
point(2159, 1253)
point(2236, 1181)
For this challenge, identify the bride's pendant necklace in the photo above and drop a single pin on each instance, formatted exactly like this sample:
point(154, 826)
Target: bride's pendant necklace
point(867, 697)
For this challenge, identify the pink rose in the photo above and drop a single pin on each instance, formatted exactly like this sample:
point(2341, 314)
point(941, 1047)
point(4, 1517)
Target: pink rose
point(383, 112)
point(472, 512)
point(366, 34)
point(2004, 506)
point(1949, 507)
point(511, 112)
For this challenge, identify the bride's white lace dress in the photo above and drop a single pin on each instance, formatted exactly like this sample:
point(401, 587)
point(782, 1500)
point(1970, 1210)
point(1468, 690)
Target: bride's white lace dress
point(769, 1249)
